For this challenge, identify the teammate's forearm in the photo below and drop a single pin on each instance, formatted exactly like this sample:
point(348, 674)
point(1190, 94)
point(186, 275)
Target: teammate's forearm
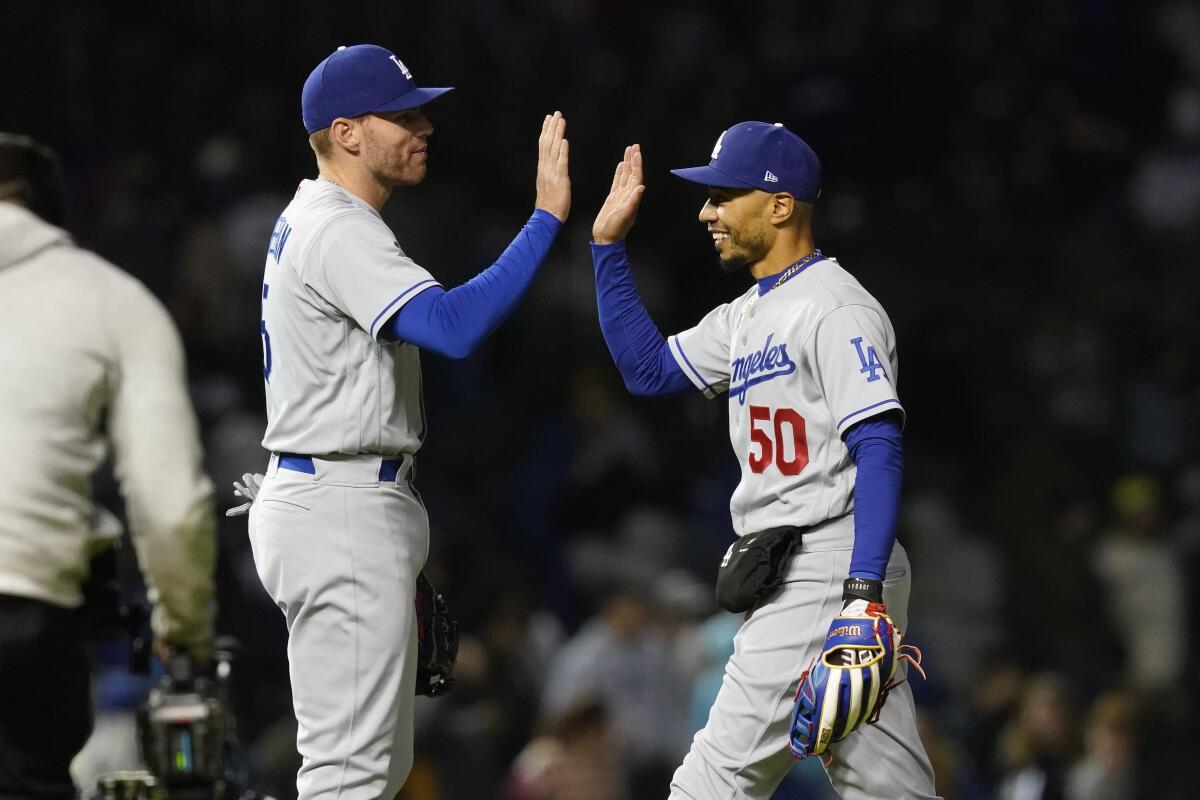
point(635, 342)
point(453, 323)
point(876, 448)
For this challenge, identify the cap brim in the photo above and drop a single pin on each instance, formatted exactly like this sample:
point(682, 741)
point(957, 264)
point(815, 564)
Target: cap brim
point(711, 176)
point(413, 99)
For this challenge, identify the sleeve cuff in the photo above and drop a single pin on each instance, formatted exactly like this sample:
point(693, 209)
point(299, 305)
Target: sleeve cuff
point(545, 217)
point(605, 253)
point(866, 412)
point(398, 302)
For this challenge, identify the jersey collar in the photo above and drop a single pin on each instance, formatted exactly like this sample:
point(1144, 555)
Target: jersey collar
point(767, 282)
point(321, 180)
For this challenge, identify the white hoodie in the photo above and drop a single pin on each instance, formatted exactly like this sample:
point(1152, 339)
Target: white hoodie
point(84, 347)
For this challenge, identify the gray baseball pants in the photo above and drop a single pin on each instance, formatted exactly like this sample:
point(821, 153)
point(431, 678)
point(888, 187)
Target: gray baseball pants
point(339, 551)
point(742, 753)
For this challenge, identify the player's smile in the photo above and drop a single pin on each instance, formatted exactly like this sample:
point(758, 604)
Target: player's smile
point(729, 208)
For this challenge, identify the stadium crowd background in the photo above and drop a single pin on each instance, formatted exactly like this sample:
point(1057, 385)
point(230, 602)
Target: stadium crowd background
point(1019, 184)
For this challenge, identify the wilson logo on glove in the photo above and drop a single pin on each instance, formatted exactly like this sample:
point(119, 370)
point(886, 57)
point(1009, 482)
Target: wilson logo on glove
point(847, 685)
point(847, 630)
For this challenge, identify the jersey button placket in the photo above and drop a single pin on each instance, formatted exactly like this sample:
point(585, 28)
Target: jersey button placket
point(747, 314)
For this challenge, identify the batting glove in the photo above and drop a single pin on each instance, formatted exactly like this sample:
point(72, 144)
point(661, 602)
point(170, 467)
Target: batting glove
point(247, 490)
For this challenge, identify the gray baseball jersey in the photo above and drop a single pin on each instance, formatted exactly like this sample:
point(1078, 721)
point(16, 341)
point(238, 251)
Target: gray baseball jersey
point(339, 538)
point(334, 276)
point(801, 364)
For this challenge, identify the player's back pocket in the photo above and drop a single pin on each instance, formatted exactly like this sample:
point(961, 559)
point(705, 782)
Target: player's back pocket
point(288, 505)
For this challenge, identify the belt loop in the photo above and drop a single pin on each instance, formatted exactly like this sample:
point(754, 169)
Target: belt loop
point(273, 465)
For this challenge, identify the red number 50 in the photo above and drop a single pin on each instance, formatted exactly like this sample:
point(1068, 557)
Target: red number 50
point(776, 450)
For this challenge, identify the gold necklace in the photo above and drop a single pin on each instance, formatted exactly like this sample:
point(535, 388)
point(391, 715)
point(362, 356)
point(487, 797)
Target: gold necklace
point(796, 267)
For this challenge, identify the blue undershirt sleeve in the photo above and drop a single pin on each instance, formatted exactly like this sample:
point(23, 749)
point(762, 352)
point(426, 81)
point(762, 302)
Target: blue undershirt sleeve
point(453, 323)
point(876, 448)
point(637, 346)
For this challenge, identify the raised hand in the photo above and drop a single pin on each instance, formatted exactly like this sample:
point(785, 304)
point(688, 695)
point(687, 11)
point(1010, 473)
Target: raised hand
point(553, 176)
point(620, 208)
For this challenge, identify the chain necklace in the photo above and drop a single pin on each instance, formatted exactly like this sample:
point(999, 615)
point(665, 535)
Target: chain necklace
point(796, 267)
point(786, 275)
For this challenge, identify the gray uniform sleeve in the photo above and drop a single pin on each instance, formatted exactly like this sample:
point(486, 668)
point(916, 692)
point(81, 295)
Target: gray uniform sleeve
point(702, 352)
point(157, 451)
point(853, 356)
point(357, 266)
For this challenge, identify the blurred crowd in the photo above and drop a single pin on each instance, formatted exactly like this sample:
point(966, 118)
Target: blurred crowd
point(1018, 183)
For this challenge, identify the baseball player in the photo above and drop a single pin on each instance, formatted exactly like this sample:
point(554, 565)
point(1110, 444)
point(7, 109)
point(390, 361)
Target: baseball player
point(88, 359)
point(807, 361)
point(338, 533)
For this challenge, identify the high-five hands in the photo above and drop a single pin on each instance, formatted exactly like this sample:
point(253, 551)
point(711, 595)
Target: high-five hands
point(553, 176)
point(620, 208)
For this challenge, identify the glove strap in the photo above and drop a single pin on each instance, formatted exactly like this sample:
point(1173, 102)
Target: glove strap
point(862, 589)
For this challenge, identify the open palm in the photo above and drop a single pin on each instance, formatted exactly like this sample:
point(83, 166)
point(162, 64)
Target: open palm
point(620, 208)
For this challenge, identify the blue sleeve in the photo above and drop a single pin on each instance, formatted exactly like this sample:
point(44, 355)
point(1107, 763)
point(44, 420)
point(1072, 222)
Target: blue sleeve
point(637, 346)
point(876, 448)
point(454, 323)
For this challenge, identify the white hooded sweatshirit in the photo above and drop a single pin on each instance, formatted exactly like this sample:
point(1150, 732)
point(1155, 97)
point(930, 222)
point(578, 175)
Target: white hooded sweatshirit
point(87, 357)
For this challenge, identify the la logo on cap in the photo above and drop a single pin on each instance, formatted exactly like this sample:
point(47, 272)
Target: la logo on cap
point(717, 147)
point(403, 68)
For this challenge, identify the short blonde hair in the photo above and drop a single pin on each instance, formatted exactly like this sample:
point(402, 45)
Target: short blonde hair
point(320, 142)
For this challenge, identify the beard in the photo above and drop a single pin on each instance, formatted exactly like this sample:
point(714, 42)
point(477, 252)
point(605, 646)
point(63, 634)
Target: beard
point(735, 263)
point(743, 254)
point(391, 168)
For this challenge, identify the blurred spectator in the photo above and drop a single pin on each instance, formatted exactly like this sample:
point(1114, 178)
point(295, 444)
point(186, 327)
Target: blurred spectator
point(1187, 533)
point(1144, 586)
point(576, 759)
point(957, 592)
point(1106, 771)
point(489, 717)
point(1186, 541)
point(993, 700)
point(683, 602)
point(646, 543)
point(471, 723)
point(715, 636)
point(1057, 586)
point(623, 657)
point(1159, 403)
point(1039, 745)
point(954, 774)
point(596, 450)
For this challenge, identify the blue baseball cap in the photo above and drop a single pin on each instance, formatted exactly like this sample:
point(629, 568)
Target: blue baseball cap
point(760, 155)
point(358, 80)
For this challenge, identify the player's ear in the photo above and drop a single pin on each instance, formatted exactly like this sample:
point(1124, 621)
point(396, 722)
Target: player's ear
point(782, 208)
point(345, 134)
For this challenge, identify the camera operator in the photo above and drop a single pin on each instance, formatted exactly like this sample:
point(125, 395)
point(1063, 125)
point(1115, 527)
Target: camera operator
point(88, 358)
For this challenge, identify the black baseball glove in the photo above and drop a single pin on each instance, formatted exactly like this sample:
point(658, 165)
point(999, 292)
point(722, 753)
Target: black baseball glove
point(437, 641)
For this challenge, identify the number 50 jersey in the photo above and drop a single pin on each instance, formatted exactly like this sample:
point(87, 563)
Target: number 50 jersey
point(801, 364)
